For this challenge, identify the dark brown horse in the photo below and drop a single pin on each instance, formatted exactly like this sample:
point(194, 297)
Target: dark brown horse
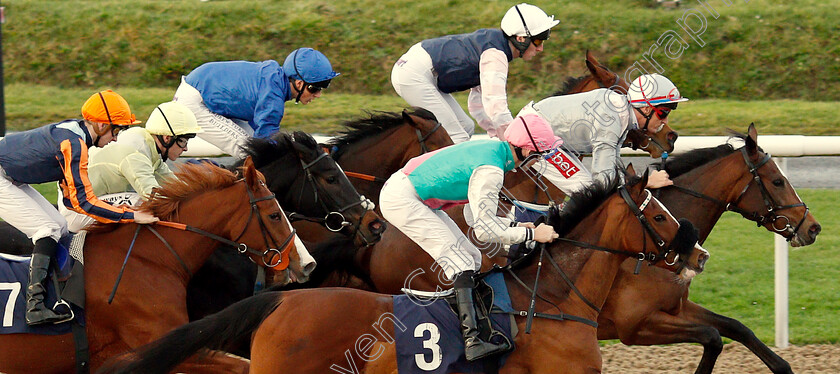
point(151, 299)
point(647, 309)
point(313, 330)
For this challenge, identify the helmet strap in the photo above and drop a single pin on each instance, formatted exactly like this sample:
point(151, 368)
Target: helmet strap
point(164, 153)
point(647, 118)
point(300, 91)
point(521, 46)
point(536, 148)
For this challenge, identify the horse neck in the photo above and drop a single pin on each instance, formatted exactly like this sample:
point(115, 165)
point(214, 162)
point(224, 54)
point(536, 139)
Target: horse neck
point(715, 179)
point(381, 155)
point(591, 271)
point(194, 248)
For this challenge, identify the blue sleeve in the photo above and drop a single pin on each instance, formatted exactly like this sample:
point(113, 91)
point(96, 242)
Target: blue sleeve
point(271, 104)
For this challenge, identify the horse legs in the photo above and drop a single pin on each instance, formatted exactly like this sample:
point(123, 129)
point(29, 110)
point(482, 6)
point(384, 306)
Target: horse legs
point(736, 331)
point(663, 328)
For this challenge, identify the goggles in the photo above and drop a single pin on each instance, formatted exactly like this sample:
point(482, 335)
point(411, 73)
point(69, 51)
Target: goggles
point(116, 129)
point(663, 110)
point(538, 39)
point(183, 140)
point(318, 86)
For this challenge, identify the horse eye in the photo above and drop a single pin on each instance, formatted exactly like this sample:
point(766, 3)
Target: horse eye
point(275, 216)
point(659, 218)
point(332, 180)
point(778, 182)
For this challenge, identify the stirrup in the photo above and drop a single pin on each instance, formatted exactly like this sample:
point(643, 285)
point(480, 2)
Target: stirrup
point(61, 302)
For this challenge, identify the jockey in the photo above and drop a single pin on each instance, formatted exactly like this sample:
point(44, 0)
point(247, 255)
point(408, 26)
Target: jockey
point(596, 123)
point(433, 69)
point(224, 96)
point(127, 170)
point(58, 152)
point(466, 173)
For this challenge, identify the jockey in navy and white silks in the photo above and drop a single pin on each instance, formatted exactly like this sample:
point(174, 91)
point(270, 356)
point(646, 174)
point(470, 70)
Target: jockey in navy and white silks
point(58, 152)
point(433, 69)
point(596, 123)
point(465, 173)
point(233, 100)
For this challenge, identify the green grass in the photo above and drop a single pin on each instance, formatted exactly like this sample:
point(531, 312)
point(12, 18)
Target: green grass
point(29, 106)
point(761, 49)
point(738, 280)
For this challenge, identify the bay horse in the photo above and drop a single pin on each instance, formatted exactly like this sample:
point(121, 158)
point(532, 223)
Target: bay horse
point(217, 207)
point(314, 330)
point(647, 309)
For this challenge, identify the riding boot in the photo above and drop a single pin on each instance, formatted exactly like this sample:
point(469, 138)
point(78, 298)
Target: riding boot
point(39, 269)
point(474, 347)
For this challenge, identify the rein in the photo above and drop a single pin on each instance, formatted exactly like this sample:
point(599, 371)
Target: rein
point(267, 256)
point(770, 204)
point(638, 212)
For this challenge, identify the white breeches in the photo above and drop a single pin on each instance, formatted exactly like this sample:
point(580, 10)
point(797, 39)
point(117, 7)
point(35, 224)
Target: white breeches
point(28, 211)
point(225, 133)
point(432, 230)
point(414, 80)
point(78, 221)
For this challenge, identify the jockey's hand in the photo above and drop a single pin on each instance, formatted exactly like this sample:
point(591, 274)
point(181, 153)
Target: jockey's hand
point(659, 179)
point(529, 225)
point(545, 233)
point(144, 217)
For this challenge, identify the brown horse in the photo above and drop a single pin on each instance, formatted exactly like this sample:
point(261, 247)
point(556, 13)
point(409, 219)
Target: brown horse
point(314, 330)
point(647, 309)
point(150, 301)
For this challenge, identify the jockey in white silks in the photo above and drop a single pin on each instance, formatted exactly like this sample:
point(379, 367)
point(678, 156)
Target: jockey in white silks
point(596, 123)
point(465, 173)
point(428, 74)
point(123, 172)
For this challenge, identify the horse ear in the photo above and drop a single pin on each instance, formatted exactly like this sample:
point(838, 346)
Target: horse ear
point(590, 59)
point(249, 172)
point(631, 171)
point(643, 183)
point(407, 118)
point(751, 140)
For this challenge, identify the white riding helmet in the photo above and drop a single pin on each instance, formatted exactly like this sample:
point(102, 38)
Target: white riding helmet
point(653, 90)
point(172, 119)
point(526, 20)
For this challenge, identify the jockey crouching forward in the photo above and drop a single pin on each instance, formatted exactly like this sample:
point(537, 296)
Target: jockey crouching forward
point(466, 173)
point(597, 123)
point(123, 172)
point(58, 152)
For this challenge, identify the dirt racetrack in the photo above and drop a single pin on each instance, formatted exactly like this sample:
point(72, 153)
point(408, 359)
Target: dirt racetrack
point(735, 359)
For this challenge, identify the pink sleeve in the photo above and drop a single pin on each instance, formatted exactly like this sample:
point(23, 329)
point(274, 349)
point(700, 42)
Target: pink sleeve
point(488, 102)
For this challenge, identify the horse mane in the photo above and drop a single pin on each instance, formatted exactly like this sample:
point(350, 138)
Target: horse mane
point(264, 151)
point(584, 202)
point(679, 165)
point(570, 83)
point(374, 122)
point(189, 180)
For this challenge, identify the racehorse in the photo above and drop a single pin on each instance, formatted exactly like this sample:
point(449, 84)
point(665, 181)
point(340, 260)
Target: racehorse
point(647, 309)
point(313, 330)
point(216, 207)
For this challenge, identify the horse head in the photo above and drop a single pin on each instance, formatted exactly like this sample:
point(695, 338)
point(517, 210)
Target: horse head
point(426, 128)
point(307, 180)
point(284, 255)
point(769, 199)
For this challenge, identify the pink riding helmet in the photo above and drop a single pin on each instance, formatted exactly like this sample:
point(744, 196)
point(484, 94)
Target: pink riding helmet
point(532, 132)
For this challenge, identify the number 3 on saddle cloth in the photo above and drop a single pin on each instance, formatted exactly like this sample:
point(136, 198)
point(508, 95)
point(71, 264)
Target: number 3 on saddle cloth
point(14, 278)
point(428, 332)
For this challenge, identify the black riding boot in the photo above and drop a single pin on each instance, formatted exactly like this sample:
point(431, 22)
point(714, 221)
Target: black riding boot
point(36, 312)
point(474, 347)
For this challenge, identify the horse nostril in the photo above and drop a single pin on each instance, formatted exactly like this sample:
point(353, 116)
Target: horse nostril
point(815, 230)
point(672, 137)
point(377, 227)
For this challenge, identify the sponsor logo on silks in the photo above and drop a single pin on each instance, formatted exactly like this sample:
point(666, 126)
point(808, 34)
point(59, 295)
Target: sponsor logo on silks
point(561, 161)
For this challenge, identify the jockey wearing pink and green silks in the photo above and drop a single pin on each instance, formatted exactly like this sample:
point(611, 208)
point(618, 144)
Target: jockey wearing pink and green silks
point(466, 173)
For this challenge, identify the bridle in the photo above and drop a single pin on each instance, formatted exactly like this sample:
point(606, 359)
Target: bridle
point(334, 220)
point(771, 216)
point(281, 252)
point(422, 138)
point(638, 212)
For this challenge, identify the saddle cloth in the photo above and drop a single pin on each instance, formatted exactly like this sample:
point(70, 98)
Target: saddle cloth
point(14, 278)
point(428, 332)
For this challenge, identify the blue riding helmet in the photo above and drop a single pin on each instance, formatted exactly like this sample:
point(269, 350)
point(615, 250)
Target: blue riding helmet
point(310, 66)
